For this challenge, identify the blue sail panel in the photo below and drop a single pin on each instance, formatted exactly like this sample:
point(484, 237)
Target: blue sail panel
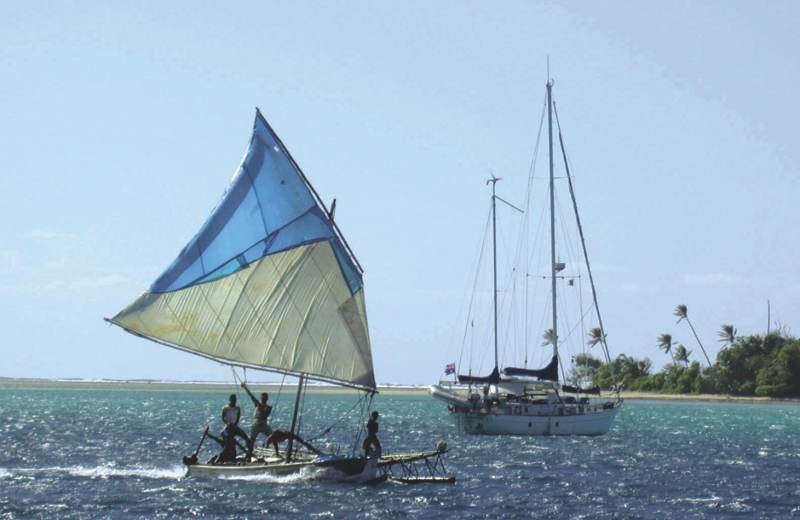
point(267, 208)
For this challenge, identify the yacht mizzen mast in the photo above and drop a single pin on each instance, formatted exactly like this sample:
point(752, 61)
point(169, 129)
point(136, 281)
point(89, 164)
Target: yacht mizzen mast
point(493, 181)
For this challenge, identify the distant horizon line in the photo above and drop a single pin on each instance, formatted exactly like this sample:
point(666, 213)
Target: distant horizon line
point(179, 381)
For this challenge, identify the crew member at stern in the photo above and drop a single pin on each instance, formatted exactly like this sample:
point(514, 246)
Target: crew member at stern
point(372, 436)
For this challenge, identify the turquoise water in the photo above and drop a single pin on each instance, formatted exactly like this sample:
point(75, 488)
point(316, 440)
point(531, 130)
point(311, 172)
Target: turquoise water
point(69, 453)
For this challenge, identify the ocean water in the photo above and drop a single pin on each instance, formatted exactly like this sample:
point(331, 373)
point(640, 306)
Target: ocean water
point(115, 453)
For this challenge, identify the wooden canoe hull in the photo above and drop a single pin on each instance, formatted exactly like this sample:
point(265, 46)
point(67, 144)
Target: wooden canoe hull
point(345, 468)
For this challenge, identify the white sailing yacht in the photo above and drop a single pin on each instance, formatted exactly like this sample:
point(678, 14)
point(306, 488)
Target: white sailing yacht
point(522, 401)
point(269, 283)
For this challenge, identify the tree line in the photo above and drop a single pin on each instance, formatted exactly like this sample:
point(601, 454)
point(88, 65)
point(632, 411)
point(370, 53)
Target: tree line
point(755, 365)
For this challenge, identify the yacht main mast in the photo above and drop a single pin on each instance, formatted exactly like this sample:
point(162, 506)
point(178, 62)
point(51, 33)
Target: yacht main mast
point(552, 215)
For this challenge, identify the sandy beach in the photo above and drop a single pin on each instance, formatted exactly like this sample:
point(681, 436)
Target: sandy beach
point(392, 390)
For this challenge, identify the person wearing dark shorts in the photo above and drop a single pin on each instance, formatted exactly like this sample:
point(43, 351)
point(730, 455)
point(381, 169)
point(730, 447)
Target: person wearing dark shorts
point(372, 436)
point(260, 415)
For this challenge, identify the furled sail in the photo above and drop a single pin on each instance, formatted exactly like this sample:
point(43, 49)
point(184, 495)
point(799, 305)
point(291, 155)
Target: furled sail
point(267, 282)
point(491, 379)
point(548, 373)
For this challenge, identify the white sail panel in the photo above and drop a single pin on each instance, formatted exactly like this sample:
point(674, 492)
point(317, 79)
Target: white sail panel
point(292, 311)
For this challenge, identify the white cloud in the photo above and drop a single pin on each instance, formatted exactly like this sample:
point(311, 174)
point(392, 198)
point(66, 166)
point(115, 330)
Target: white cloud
point(10, 259)
point(85, 284)
point(39, 234)
point(99, 282)
point(714, 279)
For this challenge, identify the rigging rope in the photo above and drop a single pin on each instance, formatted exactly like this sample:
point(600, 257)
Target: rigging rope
point(474, 290)
point(338, 420)
point(583, 244)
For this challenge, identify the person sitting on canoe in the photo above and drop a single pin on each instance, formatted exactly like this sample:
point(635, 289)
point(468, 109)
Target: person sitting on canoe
point(228, 453)
point(230, 416)
point(261, 413)
point(279, 436)
point(372, 436)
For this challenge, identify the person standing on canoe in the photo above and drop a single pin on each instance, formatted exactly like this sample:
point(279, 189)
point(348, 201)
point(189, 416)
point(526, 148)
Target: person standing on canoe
point(260, 416)
point(230, 416)
point(372, 435)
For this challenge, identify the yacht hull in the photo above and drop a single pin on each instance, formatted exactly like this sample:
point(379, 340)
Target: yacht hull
point(522, 418)
point(596, 423)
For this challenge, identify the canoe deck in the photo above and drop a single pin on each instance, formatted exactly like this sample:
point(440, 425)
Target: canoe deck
point(349, 468)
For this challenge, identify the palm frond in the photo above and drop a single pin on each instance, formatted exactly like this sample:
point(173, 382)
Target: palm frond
point(727, 334)
point(548, 337)
point(665, 343)
point(595, 336)
point(681, 354)
point(681, 312)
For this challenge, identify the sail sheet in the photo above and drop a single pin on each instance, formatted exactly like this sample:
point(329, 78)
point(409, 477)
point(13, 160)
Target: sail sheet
point(267, 281)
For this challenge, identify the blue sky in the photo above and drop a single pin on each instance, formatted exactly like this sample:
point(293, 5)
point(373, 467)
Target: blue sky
point(122, 124)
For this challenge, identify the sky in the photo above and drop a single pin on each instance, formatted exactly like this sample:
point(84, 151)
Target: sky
point(122, 124)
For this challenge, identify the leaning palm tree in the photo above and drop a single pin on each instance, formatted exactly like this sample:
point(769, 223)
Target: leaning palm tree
point(547, 337)
point(665, 343)
point(595, 336)
point(683, 314)
point(682, 355)
point(727, 334)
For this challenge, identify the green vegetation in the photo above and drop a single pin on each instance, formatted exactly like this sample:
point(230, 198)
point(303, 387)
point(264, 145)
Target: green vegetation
point(747, 366)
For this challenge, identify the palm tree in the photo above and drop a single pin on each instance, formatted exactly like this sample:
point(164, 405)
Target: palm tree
point(665, 343)
point(595, 336)
point(727, 334)
point(682, 355)
point(683, 314)
point(548, 337)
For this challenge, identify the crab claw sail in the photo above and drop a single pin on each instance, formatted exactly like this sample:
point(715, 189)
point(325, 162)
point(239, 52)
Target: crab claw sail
point(268, 282)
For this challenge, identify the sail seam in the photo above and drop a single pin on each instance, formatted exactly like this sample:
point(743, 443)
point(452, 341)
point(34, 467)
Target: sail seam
point(267, 240)
point(232, 340)
point(288, 296)
point(314, 193)
point(230, 362)
point(225, 334)
point(367, 366)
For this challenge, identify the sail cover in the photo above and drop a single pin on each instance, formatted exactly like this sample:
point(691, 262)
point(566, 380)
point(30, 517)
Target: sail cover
point(491, 379)
point(548, 373)
point(267, 282)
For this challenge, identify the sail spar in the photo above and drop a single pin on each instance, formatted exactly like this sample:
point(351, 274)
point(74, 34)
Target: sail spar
point(267, 282)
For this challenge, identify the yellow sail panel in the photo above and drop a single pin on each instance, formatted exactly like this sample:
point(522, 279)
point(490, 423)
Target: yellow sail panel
point(291, 311)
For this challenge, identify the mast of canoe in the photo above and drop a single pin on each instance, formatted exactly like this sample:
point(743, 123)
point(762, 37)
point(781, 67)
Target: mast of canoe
point(299, 393)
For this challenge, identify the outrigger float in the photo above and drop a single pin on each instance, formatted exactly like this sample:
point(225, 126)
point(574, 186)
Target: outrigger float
point(270, 283)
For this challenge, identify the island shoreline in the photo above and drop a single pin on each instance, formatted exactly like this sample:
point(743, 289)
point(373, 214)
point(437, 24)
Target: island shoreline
point(7, 383)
